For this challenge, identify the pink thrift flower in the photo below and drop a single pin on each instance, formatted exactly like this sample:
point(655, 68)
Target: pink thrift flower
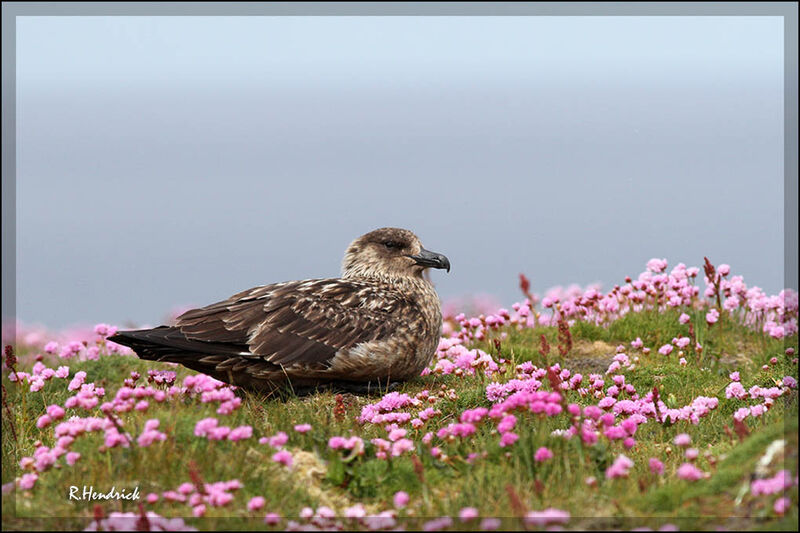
point(508, 439)
point(302, 428)
point(468, 513)
point(72, 458)
point(666, 349)
point(656, 466)
point(683, 440)
point(27, 481)
point(781, 505)
point(507, 424)
point(240, 433)
point(77, 381)
point(401, 499)
point(543, 454)
point(43, 421)
point(279, 439)
point(620, 467)
point(684, 318)
point(256, 503)
point(272, 519)
point(490, 524)
point(283, 457)
point(437, 523)
point(691, 453)
point(397, 434)
point(56, 412)
point(202, 427)
point(689, 472)
point(548, 516)
point(402, 446)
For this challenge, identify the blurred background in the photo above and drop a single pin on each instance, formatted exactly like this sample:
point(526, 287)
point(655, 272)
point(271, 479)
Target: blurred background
point(169, 161)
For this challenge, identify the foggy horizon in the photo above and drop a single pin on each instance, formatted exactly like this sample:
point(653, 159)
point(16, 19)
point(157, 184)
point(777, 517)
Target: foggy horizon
point(172, 161)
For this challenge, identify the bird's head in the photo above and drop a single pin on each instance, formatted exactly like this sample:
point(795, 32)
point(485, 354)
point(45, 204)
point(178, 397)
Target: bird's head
point(389, 253)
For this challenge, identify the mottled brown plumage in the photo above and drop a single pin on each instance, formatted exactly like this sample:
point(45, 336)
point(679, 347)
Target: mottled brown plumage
point(380, 322)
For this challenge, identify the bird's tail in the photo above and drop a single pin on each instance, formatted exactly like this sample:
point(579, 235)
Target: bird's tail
point(218, 360)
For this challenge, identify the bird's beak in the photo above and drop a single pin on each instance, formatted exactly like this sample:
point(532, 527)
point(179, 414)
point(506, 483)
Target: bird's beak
point(427, 258)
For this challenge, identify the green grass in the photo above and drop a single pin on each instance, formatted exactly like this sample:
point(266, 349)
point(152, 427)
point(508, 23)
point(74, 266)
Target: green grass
point(443, 487)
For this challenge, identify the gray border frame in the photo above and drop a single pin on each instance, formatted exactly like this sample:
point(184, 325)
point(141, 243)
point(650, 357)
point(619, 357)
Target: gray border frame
point(11, 10)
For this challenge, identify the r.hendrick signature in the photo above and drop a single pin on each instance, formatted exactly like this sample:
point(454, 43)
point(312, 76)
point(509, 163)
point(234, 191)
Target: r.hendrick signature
point(89, 493)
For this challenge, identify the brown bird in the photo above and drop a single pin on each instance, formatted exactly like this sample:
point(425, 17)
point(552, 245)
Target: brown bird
point(377, 324)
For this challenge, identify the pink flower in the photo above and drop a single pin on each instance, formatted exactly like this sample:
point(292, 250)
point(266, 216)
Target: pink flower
point(656, 265)
point(781, 505)
point(186, 488)
point(656, 466)
point(691, 453)
point(684, 318)
point(72, 458)
point(272, 519)
point(779, 482)
point(202, 427)
point(468, 513)
point(219, 433)
point(712, 316)
point(27, 481)
point(302, 428)
point(508, 439)
point(401, 499)
point(397, 434)
point(256, 503)
point(437, 523)
point(689, 472)
point(490, 524)
point(543, 454)
point(43, 421)
point(666, 349)
point(278, 440)
point(402, 446)
point(56, 412)
point(683, 440)
point(240, 433)
point(548, 516)
point(619, 468)
point(77, 381)
point(283, 457)
point(507, 424)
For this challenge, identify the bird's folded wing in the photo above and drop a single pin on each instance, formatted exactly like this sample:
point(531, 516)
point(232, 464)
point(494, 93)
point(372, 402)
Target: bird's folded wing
point(301, 322)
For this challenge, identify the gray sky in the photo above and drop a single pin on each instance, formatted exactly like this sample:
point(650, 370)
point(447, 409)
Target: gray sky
point(164, 161)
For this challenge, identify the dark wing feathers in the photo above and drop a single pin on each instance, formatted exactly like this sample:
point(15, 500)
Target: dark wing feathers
point(294, 322)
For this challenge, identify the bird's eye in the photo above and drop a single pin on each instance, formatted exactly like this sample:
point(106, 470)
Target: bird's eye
point(393, 244)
